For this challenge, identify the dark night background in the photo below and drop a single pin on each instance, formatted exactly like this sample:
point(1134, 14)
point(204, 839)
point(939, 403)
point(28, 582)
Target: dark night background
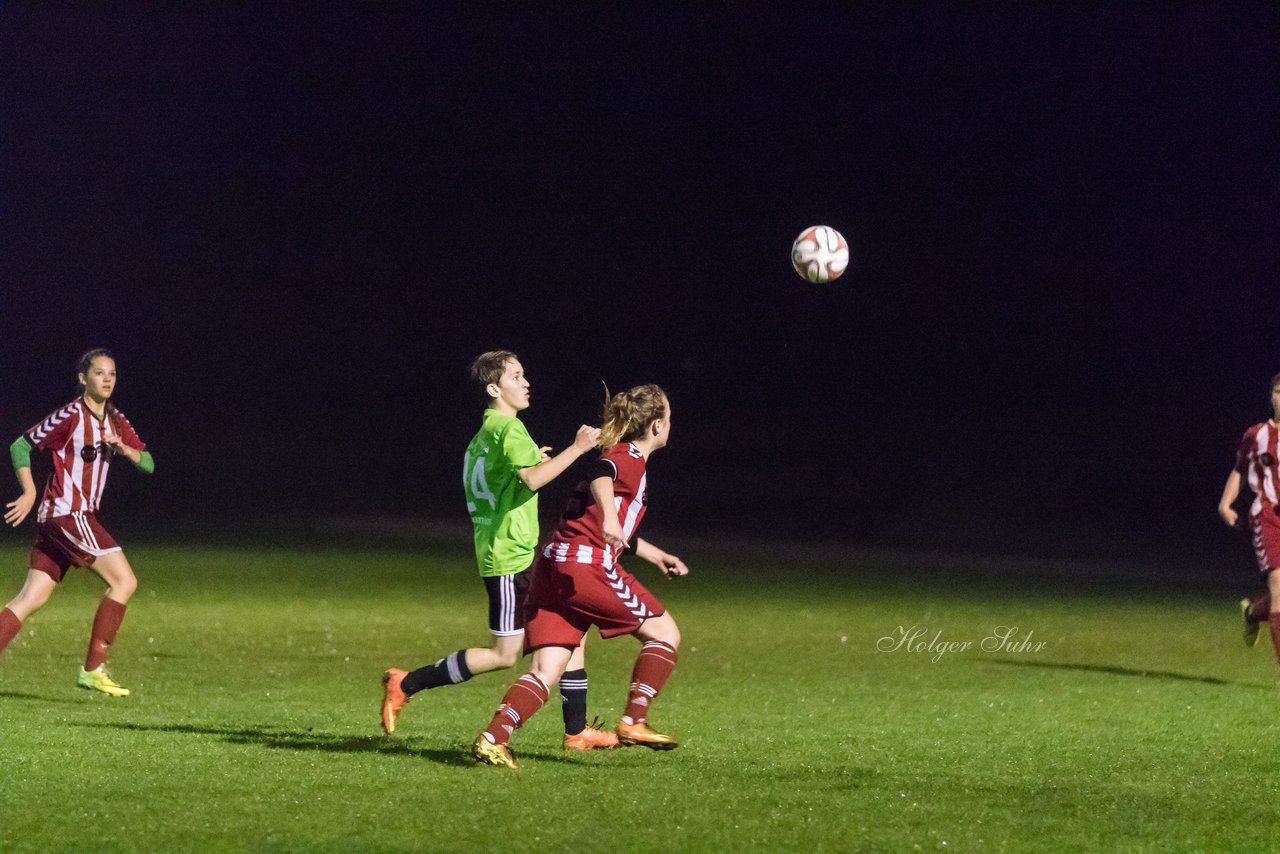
point(296, 227)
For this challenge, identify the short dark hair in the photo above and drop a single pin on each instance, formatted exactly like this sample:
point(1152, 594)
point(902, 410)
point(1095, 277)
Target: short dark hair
point(489, 367)
point(1275, 381)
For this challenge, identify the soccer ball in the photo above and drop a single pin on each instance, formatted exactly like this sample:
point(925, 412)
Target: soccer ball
point(820, 254)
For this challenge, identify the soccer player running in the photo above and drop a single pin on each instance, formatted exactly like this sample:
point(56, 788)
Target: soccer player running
point(503, 469)
point(578, 582)
point(83, 438)
point(1258, 460)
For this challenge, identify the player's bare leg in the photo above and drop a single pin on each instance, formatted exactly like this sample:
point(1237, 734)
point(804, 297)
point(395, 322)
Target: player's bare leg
point(34, 593)
point(660, 637)
point(114, 569)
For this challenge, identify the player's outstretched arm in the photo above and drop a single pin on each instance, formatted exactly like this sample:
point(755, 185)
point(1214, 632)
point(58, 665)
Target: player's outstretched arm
point(17, 509)
point(665, 561)
point(536, 477)
point(1230, 492)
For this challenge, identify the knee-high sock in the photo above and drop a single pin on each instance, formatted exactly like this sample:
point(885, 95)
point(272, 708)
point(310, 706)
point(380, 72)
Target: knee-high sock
point(653, 666)
point(10, 625)
point(521, 702)
point(450, 670)
point(1274, 625)
point(105, 625)
point(573, 700)
point(1259, 609)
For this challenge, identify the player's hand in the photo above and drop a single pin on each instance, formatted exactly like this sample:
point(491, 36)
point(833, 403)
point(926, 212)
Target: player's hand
point(613, 536)
point(118, 446)
point(587, 438)
point(672, 566)
point(19, 508)
point(1231, 517)
point(545, 450)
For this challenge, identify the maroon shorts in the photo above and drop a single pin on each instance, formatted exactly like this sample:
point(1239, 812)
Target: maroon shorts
point(566, 599)
point(66, 541)
point(1266, 538)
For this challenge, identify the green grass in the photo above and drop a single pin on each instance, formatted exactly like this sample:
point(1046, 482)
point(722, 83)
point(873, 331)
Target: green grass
point(1143, 724)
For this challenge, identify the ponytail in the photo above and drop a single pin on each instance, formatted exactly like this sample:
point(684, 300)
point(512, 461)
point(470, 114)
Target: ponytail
point(629, 414)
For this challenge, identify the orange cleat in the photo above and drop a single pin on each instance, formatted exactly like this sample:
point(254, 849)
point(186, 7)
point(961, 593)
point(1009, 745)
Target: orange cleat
point(591, 739)
point(393, 698)
point(639, 733)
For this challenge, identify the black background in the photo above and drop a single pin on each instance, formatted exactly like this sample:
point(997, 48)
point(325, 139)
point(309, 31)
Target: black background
point(296, 227)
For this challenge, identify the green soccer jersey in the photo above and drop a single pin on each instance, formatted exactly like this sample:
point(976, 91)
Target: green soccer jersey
point(504, 512)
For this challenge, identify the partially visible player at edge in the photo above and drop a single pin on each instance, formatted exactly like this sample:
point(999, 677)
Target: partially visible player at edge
point(503, 469)
point(578, 582)
point(83, 437)
point(1258, 460)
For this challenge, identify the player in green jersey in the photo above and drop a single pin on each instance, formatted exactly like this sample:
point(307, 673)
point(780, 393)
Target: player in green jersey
point(503, 469)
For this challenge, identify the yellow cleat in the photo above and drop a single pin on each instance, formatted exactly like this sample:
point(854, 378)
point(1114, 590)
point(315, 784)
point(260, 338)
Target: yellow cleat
point(1250, 626)
point(98, 680)
point(488, 753)
point(393, 698)
point(639, 733)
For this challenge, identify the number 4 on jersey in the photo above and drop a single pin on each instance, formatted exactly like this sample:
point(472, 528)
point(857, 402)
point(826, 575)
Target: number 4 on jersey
point(477, 485)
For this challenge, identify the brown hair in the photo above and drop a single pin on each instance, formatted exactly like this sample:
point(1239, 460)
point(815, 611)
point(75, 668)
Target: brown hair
point(489, 367)
point(628, 414)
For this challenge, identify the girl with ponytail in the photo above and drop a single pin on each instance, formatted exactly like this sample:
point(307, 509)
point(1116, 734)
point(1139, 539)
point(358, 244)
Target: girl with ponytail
point(82, 438)
point(578, 580)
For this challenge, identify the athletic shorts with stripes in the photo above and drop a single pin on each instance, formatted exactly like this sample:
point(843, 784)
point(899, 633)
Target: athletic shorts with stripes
point(1265, 526)
point(66, 541)
point(566, 599)
point(506, 602)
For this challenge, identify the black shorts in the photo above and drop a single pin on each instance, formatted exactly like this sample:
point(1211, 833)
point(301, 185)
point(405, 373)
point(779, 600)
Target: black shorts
point(506, 602)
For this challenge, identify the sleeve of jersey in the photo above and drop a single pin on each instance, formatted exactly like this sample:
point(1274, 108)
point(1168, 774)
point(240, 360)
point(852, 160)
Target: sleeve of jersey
point(128, 435)
point(518, 447)
point(602, 468)
point(53, 433)
point(1242, 452)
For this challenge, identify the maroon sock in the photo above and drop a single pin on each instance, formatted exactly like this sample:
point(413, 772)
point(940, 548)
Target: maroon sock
point(1259, 609)
point(9, 627)
point(105, 625)
point(1275, 638)
point(653, 666)
point(522, 700)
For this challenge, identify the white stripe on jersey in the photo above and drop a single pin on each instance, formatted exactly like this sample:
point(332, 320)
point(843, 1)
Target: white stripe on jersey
point(1268, 485)
point(633, 510)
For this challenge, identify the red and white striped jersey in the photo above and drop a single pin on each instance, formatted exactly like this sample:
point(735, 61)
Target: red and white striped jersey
point(1257, 460)
point(580, 535)
point(75, 439)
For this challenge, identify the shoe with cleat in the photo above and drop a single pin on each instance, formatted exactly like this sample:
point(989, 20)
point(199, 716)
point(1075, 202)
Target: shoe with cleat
point(591, 738)
point(98, 680)
point(488, 753)
point(1250, 626)
point(639, 734)
point(393, 698)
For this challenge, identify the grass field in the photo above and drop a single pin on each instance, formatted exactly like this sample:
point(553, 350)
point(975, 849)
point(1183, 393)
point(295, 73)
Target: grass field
point(1142, 722)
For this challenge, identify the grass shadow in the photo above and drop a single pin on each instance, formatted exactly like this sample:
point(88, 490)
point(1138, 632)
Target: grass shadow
point(15, 695)
point(267, 736)
point(270, 737)
point(1114, 670)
